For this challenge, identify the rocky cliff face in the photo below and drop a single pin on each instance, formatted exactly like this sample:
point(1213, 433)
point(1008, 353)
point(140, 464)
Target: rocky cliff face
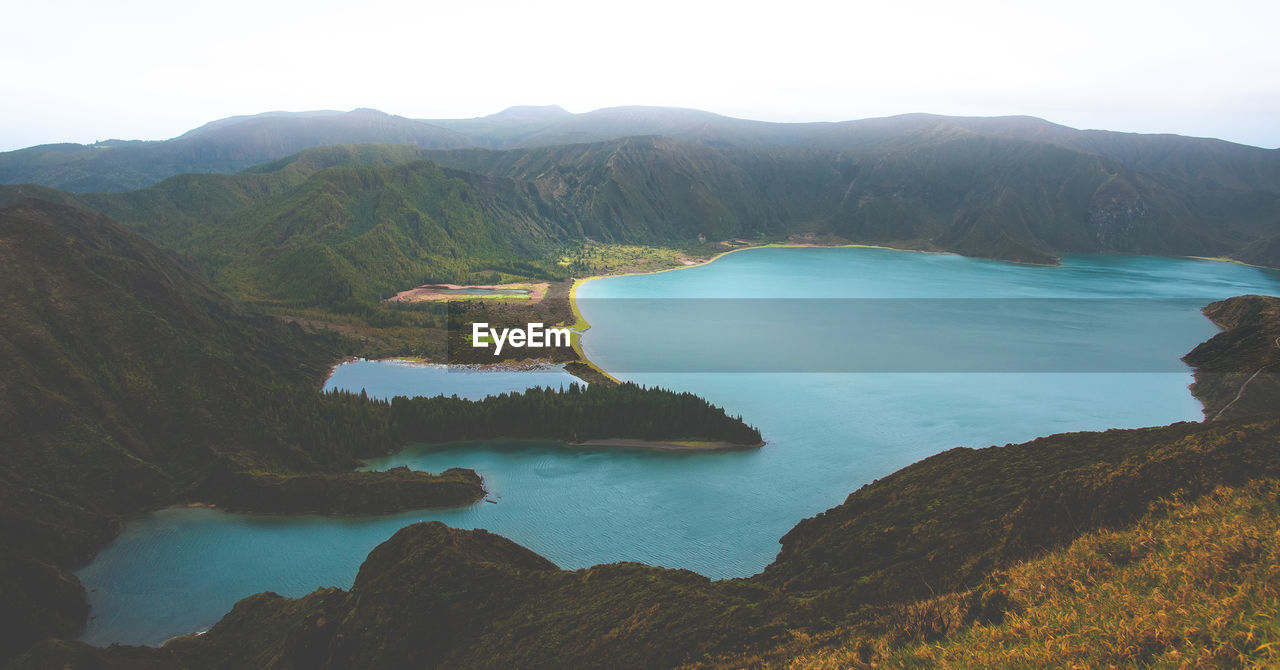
point(1116, 212)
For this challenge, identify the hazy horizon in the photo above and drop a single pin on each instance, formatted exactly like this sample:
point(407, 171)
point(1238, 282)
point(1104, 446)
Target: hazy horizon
point(428, 120)
point(151, 70)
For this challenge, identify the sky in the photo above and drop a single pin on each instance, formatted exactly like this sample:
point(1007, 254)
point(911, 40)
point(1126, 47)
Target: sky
point(150, 69)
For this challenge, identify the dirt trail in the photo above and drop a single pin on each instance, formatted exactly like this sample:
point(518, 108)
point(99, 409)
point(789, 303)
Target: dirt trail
point(1245, 385)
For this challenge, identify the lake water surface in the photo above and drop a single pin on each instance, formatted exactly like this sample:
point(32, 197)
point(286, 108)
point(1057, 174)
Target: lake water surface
point(1126, 320)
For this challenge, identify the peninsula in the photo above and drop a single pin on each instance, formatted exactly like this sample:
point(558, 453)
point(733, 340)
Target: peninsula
point(139, 386)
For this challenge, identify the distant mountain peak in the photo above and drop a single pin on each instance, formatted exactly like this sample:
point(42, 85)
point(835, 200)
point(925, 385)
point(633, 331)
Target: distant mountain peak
point(655, 112)
point(532, 113)
point(367, 111)
point(232, 120)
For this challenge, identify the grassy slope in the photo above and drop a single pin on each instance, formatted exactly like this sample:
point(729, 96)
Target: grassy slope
point(335, 226)
point(943, 187)
point(1193, 583)
point(380, 231)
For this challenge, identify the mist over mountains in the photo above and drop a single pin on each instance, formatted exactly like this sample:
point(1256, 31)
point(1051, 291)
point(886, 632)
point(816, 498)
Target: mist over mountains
point(227, 145)
point(1014, 188)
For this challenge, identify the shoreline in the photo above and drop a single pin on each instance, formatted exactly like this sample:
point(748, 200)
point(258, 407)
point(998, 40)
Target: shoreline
point(581, 325)
point(1226, 259)
point(516, 365)
point(601, 444)
point(699, 446)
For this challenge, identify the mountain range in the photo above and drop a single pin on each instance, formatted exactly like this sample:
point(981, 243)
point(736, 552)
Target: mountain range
point(437, 201)
point(223, 146)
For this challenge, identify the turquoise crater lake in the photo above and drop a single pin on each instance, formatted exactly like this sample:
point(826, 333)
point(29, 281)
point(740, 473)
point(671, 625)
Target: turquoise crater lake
point(721, 514)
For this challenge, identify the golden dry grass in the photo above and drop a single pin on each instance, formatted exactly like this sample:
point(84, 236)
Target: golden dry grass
point(1195, 583)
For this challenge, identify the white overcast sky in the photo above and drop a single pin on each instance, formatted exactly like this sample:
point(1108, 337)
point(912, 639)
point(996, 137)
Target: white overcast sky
point(152, 69)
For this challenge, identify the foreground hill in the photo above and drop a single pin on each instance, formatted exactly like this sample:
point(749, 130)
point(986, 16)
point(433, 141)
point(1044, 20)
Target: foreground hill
point(1115, 547)
point(228, 145)
point(128, 383)
point(1190, 584)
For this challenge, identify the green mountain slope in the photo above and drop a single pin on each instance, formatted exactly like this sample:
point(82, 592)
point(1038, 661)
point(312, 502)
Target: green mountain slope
point(338, 224)
point(366, 233)
point(1015, 188)
point(128, 383)
point(117, 365)
point(949, 189)
point(1146, 193)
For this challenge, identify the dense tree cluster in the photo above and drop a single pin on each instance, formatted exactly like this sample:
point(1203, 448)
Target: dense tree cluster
point(573, 414)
